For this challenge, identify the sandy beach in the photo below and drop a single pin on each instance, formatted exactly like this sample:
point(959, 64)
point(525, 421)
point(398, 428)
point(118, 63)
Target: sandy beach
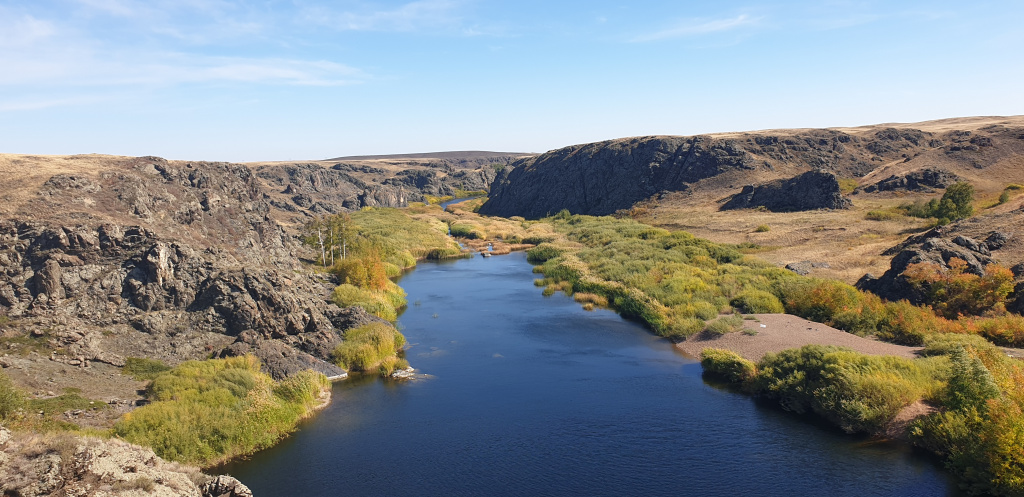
point(778, 332)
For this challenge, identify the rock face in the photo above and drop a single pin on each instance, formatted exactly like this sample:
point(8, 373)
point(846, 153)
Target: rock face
point(937, 246)
point(42, 465)
point(172, 261)
point(329, 190)
point(923, 180)
point(601, 178)
point(312, 189)
point(808, 191)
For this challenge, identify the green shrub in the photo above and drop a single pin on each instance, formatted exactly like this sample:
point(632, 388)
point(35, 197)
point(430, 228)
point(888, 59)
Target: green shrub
point(727, 365)
point(143, 369)
point(1006, 330)
point(856, 391)
point(847, 185)
point(757, 302)
point(383, 304)
point(906, 324)
point(833, 303)
point(369, 346)
point(204, 412)
point(467, 231)
point(957, 202)
point(763, 228)
point(440, 254)
point(946, 343)
point(543, 253)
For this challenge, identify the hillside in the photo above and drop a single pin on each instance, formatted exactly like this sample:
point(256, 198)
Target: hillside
point(682, 183)
point(601, 178)
point(299, 190)
point(105, 258)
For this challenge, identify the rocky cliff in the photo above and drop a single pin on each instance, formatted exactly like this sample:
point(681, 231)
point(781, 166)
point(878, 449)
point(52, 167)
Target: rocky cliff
point(175, 261)
point(601, 178)
point(300, 190)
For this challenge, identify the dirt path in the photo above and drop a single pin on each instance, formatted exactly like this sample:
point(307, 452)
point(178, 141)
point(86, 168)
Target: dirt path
point(778, 332)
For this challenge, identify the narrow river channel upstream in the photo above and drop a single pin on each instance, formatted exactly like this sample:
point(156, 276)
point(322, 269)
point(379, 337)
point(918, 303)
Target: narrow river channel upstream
point(533, 396)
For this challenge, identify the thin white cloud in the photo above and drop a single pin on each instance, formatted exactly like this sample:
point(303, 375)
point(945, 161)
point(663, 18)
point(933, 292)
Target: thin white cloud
point(121, 8)
point(85, 69)
point(197, 22)
point(39, 104)
point(413, 16)
point(24, 30)
point(698, 27)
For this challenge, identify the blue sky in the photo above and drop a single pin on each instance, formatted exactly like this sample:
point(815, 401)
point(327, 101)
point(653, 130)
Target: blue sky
point(302, 79)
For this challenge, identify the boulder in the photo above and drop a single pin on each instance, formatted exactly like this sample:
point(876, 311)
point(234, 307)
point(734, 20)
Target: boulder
point(808, 191)
point(936, 246)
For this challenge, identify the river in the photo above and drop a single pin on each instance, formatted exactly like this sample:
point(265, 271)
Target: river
point(532, 395)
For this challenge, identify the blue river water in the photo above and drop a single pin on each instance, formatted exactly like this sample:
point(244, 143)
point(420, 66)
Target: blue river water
point(531, 395)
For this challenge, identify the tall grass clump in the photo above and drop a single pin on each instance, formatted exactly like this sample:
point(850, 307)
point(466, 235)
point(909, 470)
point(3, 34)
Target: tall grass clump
point(383, 303)
point(725, 324)
point(859, 393)
point(755, 301)
point(371, 347)
point(205, 412)
point(12, 400)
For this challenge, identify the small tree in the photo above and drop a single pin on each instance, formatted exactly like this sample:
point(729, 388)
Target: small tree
point(341, 232)
point(956, 203)
point(315, 234)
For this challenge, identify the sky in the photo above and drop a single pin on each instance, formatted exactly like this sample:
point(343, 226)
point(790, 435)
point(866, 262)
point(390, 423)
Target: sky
point(241, 80)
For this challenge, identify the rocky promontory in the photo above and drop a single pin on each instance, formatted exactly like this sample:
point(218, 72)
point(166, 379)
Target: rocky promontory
point(808, 191)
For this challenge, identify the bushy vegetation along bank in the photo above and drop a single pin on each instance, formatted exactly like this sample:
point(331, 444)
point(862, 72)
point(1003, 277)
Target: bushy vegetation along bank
point(205, 412)
point(372, 347)
point(675, 282)
point(365, 249)
point(200, 412)
point(977, 426)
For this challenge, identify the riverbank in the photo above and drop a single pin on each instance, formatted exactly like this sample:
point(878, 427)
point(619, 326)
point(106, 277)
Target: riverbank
point(773, 333)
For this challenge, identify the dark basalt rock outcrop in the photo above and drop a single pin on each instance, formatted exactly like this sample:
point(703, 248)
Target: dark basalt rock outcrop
point(315, 189)
point(808, 191)
point(330, 190)
point(201, 268)
point(601, 178)
point(924, 180)
point(936, 246)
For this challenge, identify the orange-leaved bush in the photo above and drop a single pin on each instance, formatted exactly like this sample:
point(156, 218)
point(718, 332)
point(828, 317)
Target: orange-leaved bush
point(955, 292)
